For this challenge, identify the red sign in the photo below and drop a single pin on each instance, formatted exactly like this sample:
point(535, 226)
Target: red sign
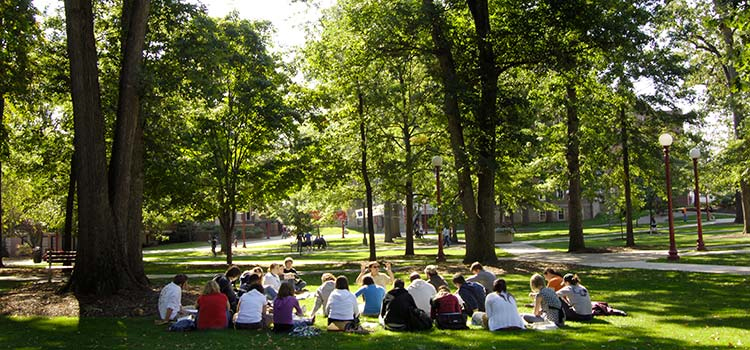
point(340, 215)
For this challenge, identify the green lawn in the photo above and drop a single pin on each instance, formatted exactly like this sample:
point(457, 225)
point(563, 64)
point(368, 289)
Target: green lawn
point(666, 310)
point(719, 259)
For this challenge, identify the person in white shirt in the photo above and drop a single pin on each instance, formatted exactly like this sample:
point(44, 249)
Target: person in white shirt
point(502, 311)
point(271, 281)
point(251, 309)
point(342, 304)
point(577, 301)
point(170, 298)
point(421, 291)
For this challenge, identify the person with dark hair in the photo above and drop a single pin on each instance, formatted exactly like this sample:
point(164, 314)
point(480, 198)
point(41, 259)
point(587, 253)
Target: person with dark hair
point(576, 299)
point(291, 275)
point(421, 291)
point(327, 286)
point(342, 304)
point(481, 276)
point(226, 284)
point(399, 309)
point(446, 310)
point(213, 307)
point(373, 296)
point(433, 277)
point(252, 310)
point(502, 312)
point(472, 293)
point(283, 306)
point(372, 269)
point(170, 299)
point(247, 282)
point(554, 279)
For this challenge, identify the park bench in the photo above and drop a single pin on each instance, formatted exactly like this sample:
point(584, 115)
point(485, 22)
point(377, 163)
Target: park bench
point(67, 258)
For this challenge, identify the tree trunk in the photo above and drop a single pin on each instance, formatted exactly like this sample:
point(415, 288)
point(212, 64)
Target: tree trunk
point(3, 142)
point(409, 164)
point(67, 243)
point(483, 249)
point(387, 219)
point(102, 264)
point(226, 220)
point(575, 229)
point(449, 80)
point(125, 170)
point(99, 267)
point(745, 190)
point(629, 237)
point(409, 189)
point(365, 175)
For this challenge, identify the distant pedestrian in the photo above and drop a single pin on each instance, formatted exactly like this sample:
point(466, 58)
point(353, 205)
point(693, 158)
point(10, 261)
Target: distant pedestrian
point(213, 242)
point(684, 214)
point(446, 236)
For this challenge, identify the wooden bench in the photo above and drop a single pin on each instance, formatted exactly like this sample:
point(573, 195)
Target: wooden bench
point(67, 258)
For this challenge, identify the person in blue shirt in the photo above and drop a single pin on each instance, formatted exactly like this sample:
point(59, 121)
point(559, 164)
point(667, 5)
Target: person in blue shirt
point(373, 295)
point(472, 293)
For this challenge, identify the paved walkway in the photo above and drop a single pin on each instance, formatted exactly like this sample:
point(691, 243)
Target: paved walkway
point(636, 259)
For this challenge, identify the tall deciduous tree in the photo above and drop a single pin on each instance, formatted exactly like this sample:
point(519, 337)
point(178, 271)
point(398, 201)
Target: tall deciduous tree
point(18, 31)
point(108, 203)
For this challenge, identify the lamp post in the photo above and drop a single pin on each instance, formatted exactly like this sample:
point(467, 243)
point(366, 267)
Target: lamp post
point(695, 153)
point(437, 162)
point(666, 140)
point(424, 215)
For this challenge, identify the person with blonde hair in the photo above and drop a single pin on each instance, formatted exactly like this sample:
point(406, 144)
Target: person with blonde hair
point(324, 291)
point(213, 307)
point(547, 306)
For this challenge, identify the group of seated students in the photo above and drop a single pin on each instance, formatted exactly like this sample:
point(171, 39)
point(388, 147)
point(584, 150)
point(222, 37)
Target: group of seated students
point(262, 300)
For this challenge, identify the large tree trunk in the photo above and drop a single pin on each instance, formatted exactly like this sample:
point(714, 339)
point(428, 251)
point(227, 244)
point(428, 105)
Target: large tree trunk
point(67, 243)
point(629, 237)
point(409, 164)
point(452, 112)
point(3, 142)
point(365, 174)
point(100, 267)
point(102, 264)
point(575, 228)
point(226, 220)
point(482, 247)
point(135, 214)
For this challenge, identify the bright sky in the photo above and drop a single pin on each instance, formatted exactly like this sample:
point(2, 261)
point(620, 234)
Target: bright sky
point(288, 17)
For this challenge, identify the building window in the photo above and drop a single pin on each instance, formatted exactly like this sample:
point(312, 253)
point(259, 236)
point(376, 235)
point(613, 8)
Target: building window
point(542, 215)
point(559, 194)
point(561, 214)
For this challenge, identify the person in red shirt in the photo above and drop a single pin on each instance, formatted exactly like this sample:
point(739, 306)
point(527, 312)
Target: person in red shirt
point(446, 310)
point(213, 307)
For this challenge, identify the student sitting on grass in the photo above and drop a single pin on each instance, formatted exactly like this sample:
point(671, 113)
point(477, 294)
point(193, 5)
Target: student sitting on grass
point(400, 312)
point(547, 306)
point(447, 311)
point(291, 275)
point(433, 277)
point(421, 291)
point(554, 279)
point(226, 284)
point(213, 307)
point(342, 304)
point(471, 293)
point(372, 269)
point(271, 281)
point(252, 311)
point(502, 312)
point(482, 276)
point(328, 284)
point(170, 299)
point(576, 299)
point(373, 296)
point(283, 305)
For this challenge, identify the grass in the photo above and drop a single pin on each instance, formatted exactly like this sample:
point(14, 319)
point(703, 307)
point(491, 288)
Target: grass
point(718, 259)
point(713, 235)
point(666, 310)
